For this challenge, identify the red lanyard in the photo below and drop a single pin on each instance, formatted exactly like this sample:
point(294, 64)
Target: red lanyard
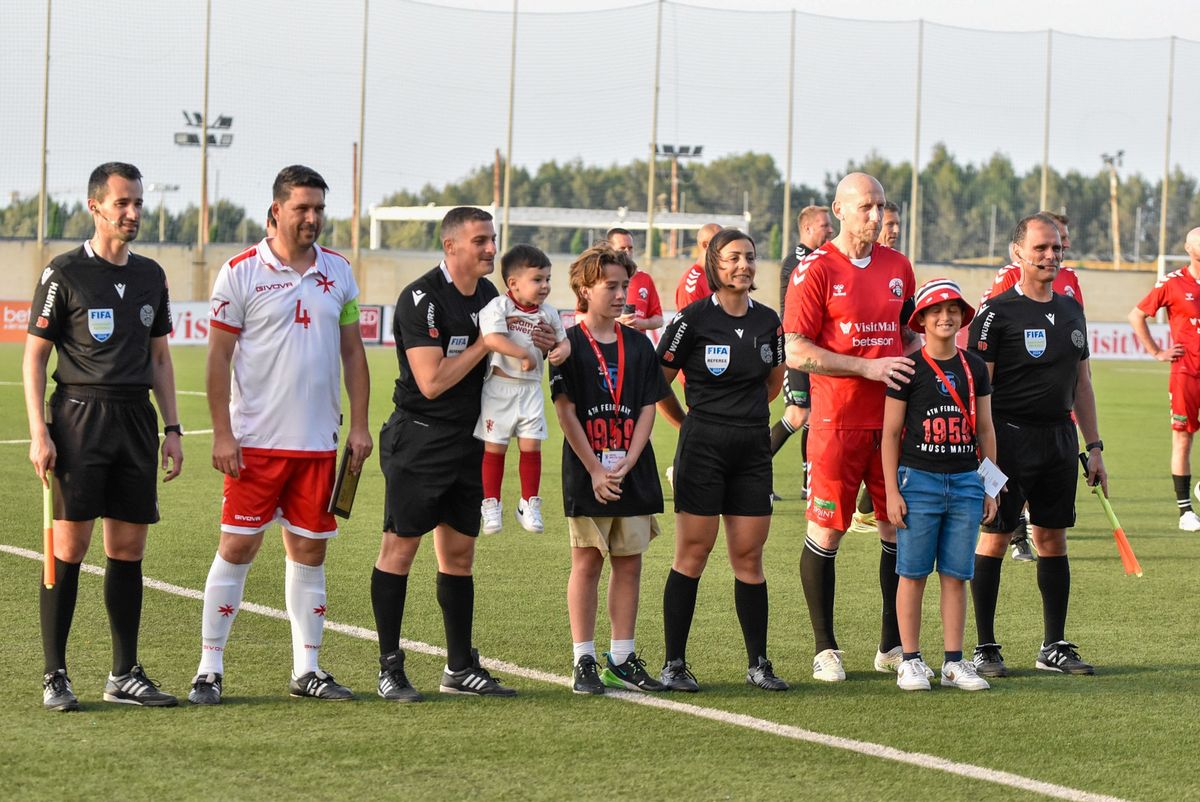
point(970, 414)
point(615, 392)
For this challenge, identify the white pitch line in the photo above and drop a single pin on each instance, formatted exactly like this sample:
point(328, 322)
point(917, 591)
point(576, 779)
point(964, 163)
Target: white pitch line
point(788, 731)
point(26, 440)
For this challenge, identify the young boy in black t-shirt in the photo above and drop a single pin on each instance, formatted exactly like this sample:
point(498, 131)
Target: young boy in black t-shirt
point(936, 429)
point(605, 394)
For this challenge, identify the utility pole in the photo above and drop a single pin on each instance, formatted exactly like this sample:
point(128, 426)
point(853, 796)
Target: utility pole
point(512, 87)
point(786, 228)
point(41, 229)
point(1112, 163)
point(914, 221)
point(653, 144)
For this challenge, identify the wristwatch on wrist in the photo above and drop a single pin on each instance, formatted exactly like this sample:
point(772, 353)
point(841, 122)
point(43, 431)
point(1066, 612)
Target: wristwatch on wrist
point(1099, 444)
point(174, 427)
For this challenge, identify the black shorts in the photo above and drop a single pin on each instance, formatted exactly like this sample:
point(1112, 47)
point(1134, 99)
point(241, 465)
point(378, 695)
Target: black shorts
point(107, 462)
point(797, 389)
point(722, 469)
point(433, 474)
point(1042, 466)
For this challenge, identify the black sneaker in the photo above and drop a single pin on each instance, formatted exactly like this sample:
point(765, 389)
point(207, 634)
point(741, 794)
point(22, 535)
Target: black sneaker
point(587, 678)
point(393, 682)
point(988, 662)
point(474, 680)
point(135, 688)
point(763, 676)
point(1063, 658)
point(56, 692)
point(319, 685)
point(677, 676)
point(630, 675)
point(206, 689)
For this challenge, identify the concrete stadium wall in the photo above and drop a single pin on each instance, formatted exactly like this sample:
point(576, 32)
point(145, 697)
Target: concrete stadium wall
point(1109, 295)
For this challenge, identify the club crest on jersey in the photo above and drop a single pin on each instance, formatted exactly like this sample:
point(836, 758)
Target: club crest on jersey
point(950, 377)
point(1035, 342)
point(100, 324)
point(716, 358)
point(643, 293)
point(897, 287)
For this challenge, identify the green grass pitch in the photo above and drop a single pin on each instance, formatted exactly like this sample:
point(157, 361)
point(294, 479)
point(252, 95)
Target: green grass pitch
point(1127, 732)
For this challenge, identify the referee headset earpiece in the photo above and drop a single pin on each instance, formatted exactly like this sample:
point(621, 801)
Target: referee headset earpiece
point(96, 211)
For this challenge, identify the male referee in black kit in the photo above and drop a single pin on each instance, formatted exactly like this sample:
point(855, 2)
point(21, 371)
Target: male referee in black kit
point(1035, 345)
point(107, 312)
point(432, 463)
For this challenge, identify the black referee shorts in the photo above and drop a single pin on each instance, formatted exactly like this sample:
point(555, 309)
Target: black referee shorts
point(797, 389)
point(1042, 466)
point(107, 462)
point(433, 474)
point(722, 469)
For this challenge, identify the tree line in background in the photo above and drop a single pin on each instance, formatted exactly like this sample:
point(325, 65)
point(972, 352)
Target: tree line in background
point(961, 205)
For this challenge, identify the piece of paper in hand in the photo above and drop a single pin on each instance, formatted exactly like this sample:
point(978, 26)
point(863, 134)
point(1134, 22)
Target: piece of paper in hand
point(993, 477)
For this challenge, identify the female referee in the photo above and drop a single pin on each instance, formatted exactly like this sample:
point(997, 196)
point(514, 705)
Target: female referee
point(730, 350)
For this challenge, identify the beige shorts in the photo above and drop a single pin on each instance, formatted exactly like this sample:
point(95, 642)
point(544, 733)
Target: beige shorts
point(622, 537)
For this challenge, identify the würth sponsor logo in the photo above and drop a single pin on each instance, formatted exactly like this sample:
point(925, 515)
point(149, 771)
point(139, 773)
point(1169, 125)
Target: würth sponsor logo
point(51, 294)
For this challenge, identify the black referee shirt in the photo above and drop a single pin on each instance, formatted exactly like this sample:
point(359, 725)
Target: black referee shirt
point(100, 317)
point(725, 359)
point(1036, 349)
point(432, 312)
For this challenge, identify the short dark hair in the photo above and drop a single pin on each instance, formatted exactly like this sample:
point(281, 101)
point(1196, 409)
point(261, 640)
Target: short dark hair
point(616, 230)
point(1018, 237)
point(98, 181)
point(588, 269)
point(520, 257)
point(1061, 219)
point(459, 215)
point(890, 206)
point(296, 175)
point(713, 255)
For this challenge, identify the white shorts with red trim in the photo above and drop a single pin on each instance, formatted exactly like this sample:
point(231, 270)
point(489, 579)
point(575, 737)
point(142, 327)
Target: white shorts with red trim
point(511, 407)
point(292, 487)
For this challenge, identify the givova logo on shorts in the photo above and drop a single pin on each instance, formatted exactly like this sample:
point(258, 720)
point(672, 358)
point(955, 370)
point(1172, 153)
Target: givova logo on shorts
point(716, 359)
point(101, 324)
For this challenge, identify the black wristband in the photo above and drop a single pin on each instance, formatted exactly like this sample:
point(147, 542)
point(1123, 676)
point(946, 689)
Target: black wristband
point(1098, 444)
point(174, 427)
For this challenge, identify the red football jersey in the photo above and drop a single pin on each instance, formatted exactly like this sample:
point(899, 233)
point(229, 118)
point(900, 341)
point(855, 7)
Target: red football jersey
point(693, 285)
point(849, 310)
point(1179, 292)
point(643, 296)
point(1065, 283)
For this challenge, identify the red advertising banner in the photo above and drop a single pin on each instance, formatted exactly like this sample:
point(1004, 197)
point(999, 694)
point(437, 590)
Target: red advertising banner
point(14, 321)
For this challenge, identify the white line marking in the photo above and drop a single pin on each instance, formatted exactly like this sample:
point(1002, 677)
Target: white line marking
point(867, 748)
point(26, 441)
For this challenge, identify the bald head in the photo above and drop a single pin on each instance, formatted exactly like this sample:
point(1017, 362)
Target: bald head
point(1192, 245)
point(704, 236)
point(858, 205)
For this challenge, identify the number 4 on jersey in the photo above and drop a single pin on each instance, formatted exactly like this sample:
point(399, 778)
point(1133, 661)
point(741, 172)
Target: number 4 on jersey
point(302, 315)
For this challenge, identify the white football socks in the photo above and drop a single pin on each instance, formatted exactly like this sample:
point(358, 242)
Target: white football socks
point(304, 591)
point(222, 600)
point(620, 650)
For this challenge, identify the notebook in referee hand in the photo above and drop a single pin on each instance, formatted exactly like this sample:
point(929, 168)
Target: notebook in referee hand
point(342, 499)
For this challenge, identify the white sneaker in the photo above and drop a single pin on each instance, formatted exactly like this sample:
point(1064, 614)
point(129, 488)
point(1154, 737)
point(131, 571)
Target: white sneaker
point(529, 514)
point(889, 662)
point(962, 674)
point(670, 474)
point(910, 676)
point(827, 666)
point(1189, 522)
point(493, 516)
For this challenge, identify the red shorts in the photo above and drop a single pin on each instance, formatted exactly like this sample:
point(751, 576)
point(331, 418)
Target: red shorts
point(841, 460)
point(293, 490)
point(1185, 402)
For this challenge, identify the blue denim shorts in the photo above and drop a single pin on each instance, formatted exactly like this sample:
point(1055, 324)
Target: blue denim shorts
point(944, 510)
